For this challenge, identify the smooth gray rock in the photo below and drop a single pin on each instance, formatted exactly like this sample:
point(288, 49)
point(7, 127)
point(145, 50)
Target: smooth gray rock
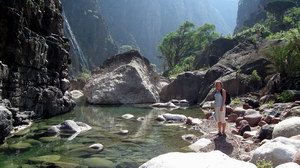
point(279, 150)
point(195, 160)
point(287, 128)
point(124, 79)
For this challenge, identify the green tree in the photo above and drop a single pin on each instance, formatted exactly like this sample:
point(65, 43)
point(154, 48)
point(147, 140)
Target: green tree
point(279, 7)
point(286, 57)
point(185, 42)
point(204, 35)
point(177, 45)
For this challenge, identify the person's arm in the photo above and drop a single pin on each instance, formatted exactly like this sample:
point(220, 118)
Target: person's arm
point(224, 100)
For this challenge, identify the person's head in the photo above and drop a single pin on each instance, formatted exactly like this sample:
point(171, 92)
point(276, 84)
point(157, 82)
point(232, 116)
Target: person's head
point(218, 85)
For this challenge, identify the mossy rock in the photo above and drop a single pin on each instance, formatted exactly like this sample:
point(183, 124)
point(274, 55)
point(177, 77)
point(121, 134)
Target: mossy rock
point(33, 142)
point(49, 139)
point(68, 147)
point(98, 163)
point(27, 166)
point(22, 132)
point(82, 152)
point(127, 164)
point(4, 146)
point(62, 165)
point(44, 159)
point(20, 146)
point(9, 165)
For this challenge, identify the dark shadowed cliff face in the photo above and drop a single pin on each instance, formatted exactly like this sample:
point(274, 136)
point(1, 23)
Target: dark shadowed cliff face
point(144, 23)
point(90, 31)
point(249, 13)
point(36, 56)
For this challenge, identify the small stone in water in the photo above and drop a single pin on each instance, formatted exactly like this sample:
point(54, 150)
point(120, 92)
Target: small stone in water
point(127, 116)
point(160, 118)
point(98, 147)
point(123, 132)
point(140, 119)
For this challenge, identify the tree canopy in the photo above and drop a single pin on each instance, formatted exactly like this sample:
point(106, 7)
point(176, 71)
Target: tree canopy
point(279, 7)
point(186, 41)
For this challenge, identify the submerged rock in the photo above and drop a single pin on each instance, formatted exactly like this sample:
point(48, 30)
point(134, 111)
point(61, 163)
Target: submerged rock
point(195, 160)
point(95, 162)
point(124, 79)
point(47, 158)
point(20, 146)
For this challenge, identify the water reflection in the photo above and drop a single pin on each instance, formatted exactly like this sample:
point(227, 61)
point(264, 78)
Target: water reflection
point(146, 139)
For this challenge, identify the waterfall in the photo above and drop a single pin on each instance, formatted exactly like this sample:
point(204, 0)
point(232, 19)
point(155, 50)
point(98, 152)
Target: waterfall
point(75, 48)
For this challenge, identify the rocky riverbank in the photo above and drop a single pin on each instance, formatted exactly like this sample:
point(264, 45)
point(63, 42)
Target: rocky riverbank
point(253, 134)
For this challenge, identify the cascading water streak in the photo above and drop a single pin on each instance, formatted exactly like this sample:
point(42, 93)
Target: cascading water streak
point(74, 44)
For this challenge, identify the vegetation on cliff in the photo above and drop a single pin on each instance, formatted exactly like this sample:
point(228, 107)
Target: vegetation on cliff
point(178, 49)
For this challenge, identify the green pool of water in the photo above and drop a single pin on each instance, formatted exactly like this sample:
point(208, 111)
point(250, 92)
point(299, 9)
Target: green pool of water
point(145, 140)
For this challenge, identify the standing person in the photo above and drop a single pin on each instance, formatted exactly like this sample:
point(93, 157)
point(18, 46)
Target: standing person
point(220, 108)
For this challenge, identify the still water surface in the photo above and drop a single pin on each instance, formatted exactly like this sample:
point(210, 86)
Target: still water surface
point(146, 139)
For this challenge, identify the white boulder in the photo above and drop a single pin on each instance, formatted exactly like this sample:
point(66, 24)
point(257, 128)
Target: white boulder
point(279, 150)
point(214, 159)
point(175, 117)
point(288, 165)
point(200, 144)
point(287, 128)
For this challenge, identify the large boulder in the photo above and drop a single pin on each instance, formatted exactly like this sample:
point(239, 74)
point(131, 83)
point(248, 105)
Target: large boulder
point(185, 86)
point(234, 68)
point(279, 150)
point(288, 165)
point(287, 128)
point(195, 160)
point(6, 121)
point(213, 52)
point(123, 79)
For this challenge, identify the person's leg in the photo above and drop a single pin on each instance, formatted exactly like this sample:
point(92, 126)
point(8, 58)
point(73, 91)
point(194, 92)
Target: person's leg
point(223, 128)
point(219, 128)
point(223, 122)
point(218, 119)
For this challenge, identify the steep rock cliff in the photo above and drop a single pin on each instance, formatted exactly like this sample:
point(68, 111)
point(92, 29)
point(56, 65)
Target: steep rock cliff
point(143, 23)
point(35, 53)
point(90, 31)
point(249, 13)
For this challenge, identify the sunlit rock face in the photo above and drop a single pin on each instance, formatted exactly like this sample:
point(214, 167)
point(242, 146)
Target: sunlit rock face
point(126, 78)
point(249, 13)
point(35, 54)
